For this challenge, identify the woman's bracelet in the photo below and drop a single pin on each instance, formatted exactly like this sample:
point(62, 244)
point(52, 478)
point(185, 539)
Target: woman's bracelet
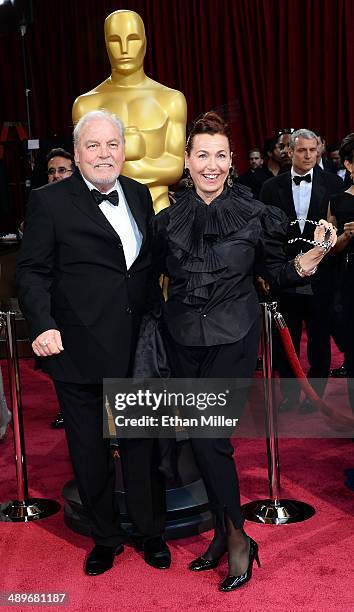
point(299, 269)
point(325, 244)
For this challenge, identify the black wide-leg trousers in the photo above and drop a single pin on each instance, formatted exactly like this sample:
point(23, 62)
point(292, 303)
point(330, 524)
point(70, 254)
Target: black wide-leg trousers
point(214, 456)
point(82, 408)
point(315, 312)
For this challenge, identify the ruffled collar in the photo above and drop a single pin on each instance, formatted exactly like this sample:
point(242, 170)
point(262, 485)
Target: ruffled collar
point(194, 227)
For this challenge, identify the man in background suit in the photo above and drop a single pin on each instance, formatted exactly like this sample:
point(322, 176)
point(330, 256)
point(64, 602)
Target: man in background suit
point(84, 273)
point(255, 176)
point(326, 164)
point(304, 193)
point(60, 165)
point(272, 156)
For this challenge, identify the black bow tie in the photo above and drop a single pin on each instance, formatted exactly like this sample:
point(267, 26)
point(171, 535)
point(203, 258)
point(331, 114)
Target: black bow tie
point(99, 197)
point(297, 179)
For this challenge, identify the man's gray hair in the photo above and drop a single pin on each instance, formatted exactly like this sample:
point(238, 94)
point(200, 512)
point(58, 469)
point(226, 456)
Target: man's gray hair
point(302, 133)
point(94, 115)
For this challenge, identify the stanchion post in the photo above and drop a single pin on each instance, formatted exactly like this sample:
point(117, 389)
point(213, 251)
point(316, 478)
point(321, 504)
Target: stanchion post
point(271, 415)
point(273, 511)
point(24, 508)
point(15, 395)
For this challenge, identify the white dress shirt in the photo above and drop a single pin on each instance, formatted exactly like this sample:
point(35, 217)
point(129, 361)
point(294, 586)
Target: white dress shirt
point(341, 173)
point(123, 222)
point(301, 197)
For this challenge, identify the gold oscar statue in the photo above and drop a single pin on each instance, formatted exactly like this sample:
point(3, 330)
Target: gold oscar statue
point(154, 115)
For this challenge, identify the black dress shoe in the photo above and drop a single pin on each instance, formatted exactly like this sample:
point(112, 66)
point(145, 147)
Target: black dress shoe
point(307, 407)
point(235, 582)
point(101, 559)
point(200, 564)
point(58, 422)
point(157, 553)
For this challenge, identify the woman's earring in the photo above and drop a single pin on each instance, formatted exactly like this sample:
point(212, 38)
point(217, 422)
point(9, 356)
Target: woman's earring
point(230, 180)
point(189, 180)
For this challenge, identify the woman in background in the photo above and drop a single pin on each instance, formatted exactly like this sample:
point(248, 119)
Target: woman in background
point(341, 214)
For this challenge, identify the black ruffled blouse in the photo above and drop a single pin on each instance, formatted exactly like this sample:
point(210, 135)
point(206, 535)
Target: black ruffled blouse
point(210, 254)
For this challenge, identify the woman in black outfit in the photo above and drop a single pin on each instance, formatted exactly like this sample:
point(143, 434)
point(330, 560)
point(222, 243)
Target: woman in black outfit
point(341, 214)
point(209, 241)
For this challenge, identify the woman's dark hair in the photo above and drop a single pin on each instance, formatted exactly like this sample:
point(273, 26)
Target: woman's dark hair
point(346, 150)
point(209, 123)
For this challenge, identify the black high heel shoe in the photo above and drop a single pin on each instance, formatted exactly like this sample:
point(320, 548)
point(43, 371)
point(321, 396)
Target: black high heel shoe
point(235, 582)
point(200, 564)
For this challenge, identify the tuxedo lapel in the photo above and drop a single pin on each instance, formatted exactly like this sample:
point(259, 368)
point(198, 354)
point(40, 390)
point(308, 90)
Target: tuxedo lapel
point(318, 193)
point(287, 202)
point(84, 201)
point(286, 196)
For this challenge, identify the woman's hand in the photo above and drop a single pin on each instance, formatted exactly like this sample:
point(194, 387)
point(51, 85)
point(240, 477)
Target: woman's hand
point(325, 232)
point(262, 285)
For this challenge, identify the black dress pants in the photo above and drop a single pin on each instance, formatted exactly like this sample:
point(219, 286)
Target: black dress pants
point(348, 310)
point(214, 456)
point(315, 312)
point(94, 469)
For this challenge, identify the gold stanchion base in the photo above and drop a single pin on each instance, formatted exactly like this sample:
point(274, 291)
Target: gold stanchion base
point(277, 512)
point(28, 510)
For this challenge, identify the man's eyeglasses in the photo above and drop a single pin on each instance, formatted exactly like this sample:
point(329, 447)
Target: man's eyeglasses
point(60, 171)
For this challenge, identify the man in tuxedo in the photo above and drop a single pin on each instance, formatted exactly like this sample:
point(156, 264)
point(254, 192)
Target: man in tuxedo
point(84, 275)
point(304, 193)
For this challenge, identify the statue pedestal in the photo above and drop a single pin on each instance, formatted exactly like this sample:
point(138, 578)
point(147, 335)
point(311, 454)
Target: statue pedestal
point(187, 503)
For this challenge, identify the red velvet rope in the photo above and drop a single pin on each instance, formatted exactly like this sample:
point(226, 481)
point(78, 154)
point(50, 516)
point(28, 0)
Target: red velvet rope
point(340, 420)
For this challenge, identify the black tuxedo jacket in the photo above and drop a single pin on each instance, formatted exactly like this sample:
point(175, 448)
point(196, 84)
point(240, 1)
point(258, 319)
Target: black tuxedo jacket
point(72, 276)
point(277, 191)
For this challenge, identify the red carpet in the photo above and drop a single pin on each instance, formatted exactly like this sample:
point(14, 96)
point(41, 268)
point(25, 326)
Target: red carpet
point(306, 566)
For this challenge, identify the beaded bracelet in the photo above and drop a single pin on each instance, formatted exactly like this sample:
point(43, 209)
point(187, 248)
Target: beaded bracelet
point(299, 269)
point(324, 244)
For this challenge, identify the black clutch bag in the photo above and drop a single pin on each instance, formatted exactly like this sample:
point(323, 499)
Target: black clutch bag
point(151, 356)
point(151, 362)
